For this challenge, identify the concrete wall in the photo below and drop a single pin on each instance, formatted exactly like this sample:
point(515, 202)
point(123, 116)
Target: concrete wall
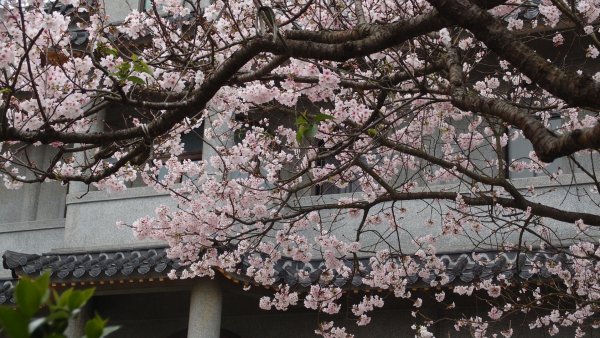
point(34, 237)
point(569, 194)
point(32, 218)
point(117, 10)
point(33, 201)
point(91, 218)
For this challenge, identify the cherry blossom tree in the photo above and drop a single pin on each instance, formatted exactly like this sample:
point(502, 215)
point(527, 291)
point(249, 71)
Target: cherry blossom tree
point(408, 107)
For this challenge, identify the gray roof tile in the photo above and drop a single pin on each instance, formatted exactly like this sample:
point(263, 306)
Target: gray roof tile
point(6, 291)
point(92, 266)
point(148, 263)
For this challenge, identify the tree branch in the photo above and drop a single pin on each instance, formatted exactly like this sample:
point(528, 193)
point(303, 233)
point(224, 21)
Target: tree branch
point(577, 90)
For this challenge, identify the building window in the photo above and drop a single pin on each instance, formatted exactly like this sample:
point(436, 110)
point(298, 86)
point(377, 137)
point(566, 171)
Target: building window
point(192, 144)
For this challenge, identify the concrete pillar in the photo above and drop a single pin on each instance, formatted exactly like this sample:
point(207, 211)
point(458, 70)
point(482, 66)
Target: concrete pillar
point(76, 328)
point(206, 302)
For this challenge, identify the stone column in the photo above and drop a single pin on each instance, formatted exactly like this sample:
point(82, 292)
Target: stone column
point(206, 302)
point(76, 328)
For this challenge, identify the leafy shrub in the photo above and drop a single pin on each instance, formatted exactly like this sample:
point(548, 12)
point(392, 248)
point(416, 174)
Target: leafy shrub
point(44, 313)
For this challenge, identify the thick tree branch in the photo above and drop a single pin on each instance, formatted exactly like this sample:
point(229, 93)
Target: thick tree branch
point(345, 45)
point(547, 145)
point(577, 90)
point(261, 72)
point(386, 83)
point(537, 209)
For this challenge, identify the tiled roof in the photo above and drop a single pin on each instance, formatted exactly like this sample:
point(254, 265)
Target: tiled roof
point(460, 268)
point(529, 10)
point(6, 291)
point(79, 37)
point(148, 263)
point(108, 265)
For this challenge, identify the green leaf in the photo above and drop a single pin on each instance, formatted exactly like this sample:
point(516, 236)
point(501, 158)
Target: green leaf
point(124, 67)
point(5, 90)
point(141, 66)
point(58, 315)
point(300, 133)
point(79, 298)
point(95, 327)
point(372, 132)
point(136, 80)
point(106, 50)
point(62, 301)
point(123, 70)
point(322, 117)
point(14, 322)
point(146, 68)
point(312, 131)
point(43, 284)
point(31, 294)
point(59, 325)
point(301, 120)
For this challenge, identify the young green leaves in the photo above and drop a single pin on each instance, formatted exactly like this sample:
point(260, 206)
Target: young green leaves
point(32, 296)
point(309, 125)
point(126, 69)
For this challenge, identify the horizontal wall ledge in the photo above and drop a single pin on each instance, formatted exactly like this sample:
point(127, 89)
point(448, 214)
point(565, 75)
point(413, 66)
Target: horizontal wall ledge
point(33, 225)
point(99, 196)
